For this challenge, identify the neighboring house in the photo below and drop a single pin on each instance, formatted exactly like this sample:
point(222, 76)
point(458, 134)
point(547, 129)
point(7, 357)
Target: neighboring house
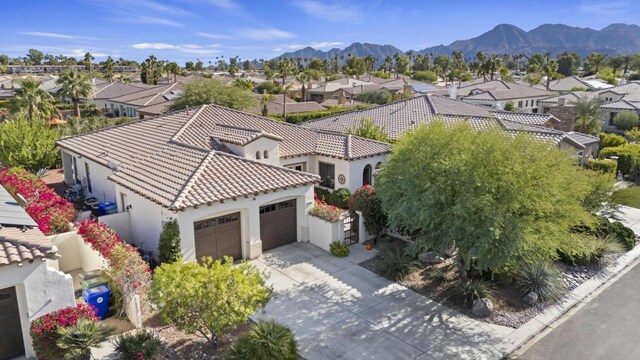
point(498, 93)
point(567, 84)
point(614, 108)
point(237, 183)
point(128, 105)
point(330, 89)
point(154, 110)
point(29, 287)
point(399, 117)
point(40, 69)
point(275, 108)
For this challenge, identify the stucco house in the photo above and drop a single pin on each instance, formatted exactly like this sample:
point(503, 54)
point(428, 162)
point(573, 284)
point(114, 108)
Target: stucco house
point(29, 287)
point(237, 183)
point(497, 93)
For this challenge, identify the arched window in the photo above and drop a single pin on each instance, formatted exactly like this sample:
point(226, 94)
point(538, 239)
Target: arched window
point(257, 155)
point(366, 175)
point(266, 154)
point(379, 165)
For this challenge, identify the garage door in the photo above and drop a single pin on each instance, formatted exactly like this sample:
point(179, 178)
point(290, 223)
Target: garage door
point(11, 344)
point(218, 237)
point(278, 224)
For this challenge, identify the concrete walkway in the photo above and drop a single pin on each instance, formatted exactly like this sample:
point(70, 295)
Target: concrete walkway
point(339, 310)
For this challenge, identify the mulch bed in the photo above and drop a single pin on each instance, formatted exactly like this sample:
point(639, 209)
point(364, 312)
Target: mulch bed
point(509, 309)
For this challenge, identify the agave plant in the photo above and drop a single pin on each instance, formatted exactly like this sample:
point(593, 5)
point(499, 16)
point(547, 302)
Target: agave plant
point(77, 340)
point(543, 279)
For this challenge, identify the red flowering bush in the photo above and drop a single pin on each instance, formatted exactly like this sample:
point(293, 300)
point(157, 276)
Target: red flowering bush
point(51, 212)
point(329, 213)
point(44, 332)
point(127, 274)
point(366, 201)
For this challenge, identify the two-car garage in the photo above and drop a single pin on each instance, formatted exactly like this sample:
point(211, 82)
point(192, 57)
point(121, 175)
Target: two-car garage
point(222, 236)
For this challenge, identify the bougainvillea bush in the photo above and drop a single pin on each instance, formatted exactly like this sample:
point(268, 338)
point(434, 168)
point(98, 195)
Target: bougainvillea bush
point(326, 212)
point(367, 202)
point(52, 213)
point(127, 274)
point(44, 330)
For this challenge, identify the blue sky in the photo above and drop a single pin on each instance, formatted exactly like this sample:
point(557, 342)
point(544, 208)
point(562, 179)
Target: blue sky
point(183, 30)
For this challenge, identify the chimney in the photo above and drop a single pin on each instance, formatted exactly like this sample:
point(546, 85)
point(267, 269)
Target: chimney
point(407, 89)
point(341, 99)
point(561, 101)
point(453, 91)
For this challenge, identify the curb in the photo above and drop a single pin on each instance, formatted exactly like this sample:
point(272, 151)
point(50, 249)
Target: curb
point(546, 319)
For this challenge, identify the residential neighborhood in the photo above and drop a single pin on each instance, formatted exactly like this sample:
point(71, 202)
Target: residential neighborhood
point(319, 180)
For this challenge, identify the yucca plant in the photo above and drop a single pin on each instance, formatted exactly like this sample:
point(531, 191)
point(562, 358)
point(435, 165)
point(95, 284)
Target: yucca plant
point(135, 345)
point(396, 264)
point(77, 340)
point(266, 340)
point(543, 279)
point(467, 291)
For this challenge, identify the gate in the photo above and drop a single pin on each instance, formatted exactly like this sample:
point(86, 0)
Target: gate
point(351, 228)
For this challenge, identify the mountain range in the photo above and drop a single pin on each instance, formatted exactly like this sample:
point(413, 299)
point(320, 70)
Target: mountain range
point(614, 39)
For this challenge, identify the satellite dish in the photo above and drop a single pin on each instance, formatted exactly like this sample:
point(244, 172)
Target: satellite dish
point(113, 166)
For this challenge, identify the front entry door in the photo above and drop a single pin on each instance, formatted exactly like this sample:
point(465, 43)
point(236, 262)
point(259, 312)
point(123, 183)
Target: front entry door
point(11, 343)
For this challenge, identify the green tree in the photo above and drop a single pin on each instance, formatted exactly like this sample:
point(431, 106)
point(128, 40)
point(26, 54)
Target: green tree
point(169, 246)
point(87, 60)
point(588, 115)
point(210, 91)
point(593, 62)
point(380, 97)
point(208, 299)
point(28, 144)
point(35, 56)
point(369, 130)
point(151, 71)
point(78, 339)
point(33, 102)
point(626, 120)
point(428, 76)
point(286, 67)
point(568, 63)
point(107, 68)
point(512, 207)
point(172, 68)
point(264, 102)
point(550, 70)
point(74, 85)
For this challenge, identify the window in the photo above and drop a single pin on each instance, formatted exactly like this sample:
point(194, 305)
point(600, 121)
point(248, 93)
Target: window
point(123, 201)
point(520, 103)
point(297, 167)
point(526, 103)
point(327, 175)
point(86, 170)
point(265, 154)
point(366, 175)
point(257, 155)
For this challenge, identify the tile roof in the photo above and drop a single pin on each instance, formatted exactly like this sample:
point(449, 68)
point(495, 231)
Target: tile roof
point(566, 84)
point(111, 90)
point(175, 160)
point(238, 135)
point(499, 90)
point(18, 245)
point(156, 109)
point(150, 96)
point(630, 91)
point(622, 105)
point(570, 98)
point(292, 107)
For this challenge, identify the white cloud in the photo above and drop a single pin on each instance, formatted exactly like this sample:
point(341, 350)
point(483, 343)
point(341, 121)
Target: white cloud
point(153, 20)
point(315, 45)
point(48, 35)
point(224, 4)
point(213, 36)
point(185, 48)
point(81, 52)
point(156, 6)
point(265, 34)
point(606, 8)
point(335, 12)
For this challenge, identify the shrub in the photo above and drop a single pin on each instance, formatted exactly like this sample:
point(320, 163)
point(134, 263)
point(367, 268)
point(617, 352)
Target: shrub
point(31, 145)
point(604, 166)
point(297, 118)
point(415, 248)
point(380, 97)
point(626, 120)
point(77, 340)
point(210, 298)
point(326, 212)
point(321, 194)
point(611, 140)
point(437, 276)
point(339, 249)
point(44, 330)
point(340, 198)
point(467, 291)
point(269, 86)
point(366, 200)
point(428, 76)
point(543, 279)
point(585, 249)
point(622, 233)
point(381, 74)
point(395, 264)
point(509, 106)
point(142, 344)
point(633, 134)
point(266, 340)
point(369, 130)
point(169, 249)
point(628, 158)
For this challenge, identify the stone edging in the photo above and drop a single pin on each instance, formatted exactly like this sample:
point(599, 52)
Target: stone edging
point(545, 319)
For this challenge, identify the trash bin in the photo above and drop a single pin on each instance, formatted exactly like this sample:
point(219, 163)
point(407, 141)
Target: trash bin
point(98, 299)
point(103, 207)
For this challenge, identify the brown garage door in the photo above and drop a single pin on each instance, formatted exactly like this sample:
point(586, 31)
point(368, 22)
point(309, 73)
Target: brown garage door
point(218, 237)
point(11, 344)
point(278, 224)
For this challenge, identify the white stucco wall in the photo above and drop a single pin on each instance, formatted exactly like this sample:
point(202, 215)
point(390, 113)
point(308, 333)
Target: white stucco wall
point(262, 144)
point(323, 233)
point(249, 216)
point(101, 188)
point(39, 290)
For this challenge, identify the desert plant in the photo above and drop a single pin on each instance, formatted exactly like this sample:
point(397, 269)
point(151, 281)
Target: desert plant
point(143, 344)
point(543, 279)
point(437, 276)
point(169, 249)
point(339, 249)
point(266, 340)
point(396, 264)
point(467, 290)
point(78, 339)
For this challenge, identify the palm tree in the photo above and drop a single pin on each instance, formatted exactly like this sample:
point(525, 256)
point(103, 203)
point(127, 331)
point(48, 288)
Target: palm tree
point(264, 102)
point(285, 91)
point(303, 78)
point(81, 337)
point(32, 101)
point(87, 59)
point(74, 86)
point(588, 115)
point(172, 68)
point(108, 68)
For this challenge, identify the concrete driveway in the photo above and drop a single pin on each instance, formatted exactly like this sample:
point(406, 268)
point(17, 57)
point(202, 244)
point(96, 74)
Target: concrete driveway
point(339, 310)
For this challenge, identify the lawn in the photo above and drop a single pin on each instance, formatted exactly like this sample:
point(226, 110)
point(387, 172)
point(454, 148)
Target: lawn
point(628, 196)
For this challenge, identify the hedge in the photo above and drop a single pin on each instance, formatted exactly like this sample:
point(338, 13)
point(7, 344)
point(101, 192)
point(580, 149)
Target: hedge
point(628, 158)
point(604, 166)
point(310, 115)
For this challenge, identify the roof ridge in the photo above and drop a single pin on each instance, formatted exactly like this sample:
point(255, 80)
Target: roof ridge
point(358, 110)
point(348, 147)
point(192, 179)
point(188, 122)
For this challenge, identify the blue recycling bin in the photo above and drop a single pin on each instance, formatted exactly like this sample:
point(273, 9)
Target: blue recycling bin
point(98, 299)
point(106, 208)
